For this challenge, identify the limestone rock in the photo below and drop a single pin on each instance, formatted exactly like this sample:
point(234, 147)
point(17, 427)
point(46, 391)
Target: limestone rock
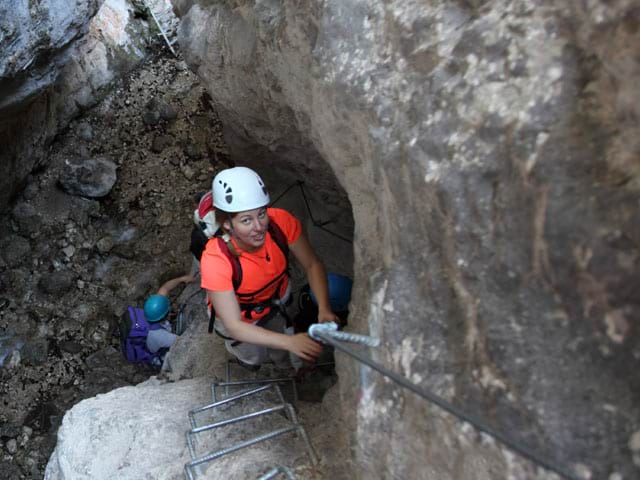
point(84, 131)
point(91, 178)
point(491, 168)
point(105, 244)
point(153, 416)
point(15, 250)
point(35, 352)
point(56, 282)
point(45, 31)
point(12, 446)
point(55, 60)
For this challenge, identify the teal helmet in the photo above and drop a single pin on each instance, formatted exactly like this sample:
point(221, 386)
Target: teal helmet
point(339, 288)
point(156, 308)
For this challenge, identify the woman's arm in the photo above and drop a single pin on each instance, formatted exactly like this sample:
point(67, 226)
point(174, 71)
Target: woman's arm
point(227, 311)
point(169, 285)
point(316, 275)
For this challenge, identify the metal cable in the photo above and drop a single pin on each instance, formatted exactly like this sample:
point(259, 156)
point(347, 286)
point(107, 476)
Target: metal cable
point(316, 223)
point(162, 32)
point(331, 329)
point(452, 409)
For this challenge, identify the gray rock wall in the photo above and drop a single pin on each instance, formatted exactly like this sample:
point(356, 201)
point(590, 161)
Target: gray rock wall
point(56, 58)
point(489, 152)
point(35, 42)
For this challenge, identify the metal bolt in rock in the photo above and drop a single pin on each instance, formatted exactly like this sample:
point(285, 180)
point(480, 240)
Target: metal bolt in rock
point(330, 329)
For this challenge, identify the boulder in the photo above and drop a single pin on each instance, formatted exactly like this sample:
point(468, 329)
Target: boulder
point(16, 250)
point(56, 283)
point(139, 432)
point(93, 178)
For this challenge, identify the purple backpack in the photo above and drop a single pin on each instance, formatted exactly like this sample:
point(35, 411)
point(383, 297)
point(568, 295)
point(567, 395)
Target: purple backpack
point(134, 329)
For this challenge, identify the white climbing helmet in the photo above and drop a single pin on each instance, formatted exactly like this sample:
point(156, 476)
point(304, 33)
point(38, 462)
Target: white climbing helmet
point(239, 189)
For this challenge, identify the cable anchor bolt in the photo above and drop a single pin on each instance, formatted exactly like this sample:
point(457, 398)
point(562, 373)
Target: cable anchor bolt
point(330, 329)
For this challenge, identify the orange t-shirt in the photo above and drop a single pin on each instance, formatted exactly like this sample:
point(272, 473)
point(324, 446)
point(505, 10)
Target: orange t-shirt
point(257, 271)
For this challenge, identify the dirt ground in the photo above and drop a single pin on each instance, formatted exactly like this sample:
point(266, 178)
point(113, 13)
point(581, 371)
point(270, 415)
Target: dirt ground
point(70, 265)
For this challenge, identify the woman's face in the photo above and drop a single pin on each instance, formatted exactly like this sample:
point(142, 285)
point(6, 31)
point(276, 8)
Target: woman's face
point(249, 228)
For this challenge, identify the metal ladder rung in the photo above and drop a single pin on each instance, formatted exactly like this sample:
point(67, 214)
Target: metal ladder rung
point(273, 473)
point(266, 385)
point(229, 383)
point(230, 421)
point(164, 35)
point(217, 454)
point(233, 398)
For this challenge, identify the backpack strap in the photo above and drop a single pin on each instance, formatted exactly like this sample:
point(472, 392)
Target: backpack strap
point(279, 237)
point(229, 251)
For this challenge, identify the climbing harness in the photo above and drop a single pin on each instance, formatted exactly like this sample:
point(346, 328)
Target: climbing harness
point(246, 307)
point(328, 333)
point(316, 223)
point(294, 426)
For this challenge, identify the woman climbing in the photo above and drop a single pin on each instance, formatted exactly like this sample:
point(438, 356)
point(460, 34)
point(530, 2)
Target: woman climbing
point(245, 272)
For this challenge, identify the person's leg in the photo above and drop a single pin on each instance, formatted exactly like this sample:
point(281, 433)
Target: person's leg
point(248, 353)
point(255, 354)
point(279, 357)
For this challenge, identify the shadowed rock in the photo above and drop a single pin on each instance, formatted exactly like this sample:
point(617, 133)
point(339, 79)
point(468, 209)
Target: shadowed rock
point(91, 178)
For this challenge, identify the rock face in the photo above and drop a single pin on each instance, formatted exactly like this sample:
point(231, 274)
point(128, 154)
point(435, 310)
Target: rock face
point(70, 265)
point(55, 60)
point(93, 423)
point(35, 44)
point(489, 151)
point(103, 437)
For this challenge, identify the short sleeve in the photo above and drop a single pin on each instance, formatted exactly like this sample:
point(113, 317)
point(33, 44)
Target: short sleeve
point(290, 225)
point(215, 269)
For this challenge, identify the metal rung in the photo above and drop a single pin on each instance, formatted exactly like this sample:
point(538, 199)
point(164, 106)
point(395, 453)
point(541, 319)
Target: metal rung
point(217, 454)
point(275, 471)
point(227, 369)
point(229, 421)
point(263, 381)
point(296, 426)
point(155, 19)
point(287, 408)
point(238, 396)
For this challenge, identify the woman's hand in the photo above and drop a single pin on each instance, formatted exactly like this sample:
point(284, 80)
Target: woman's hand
point(304, 347)
point(327, 316)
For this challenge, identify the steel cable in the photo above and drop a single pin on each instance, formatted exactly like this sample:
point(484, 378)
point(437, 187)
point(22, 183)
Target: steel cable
point(326, 337)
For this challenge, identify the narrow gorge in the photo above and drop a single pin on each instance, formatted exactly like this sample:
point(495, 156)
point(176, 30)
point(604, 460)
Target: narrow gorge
point(474, 166)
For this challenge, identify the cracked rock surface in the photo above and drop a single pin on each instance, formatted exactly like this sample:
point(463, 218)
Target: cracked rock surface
point(71, 263)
